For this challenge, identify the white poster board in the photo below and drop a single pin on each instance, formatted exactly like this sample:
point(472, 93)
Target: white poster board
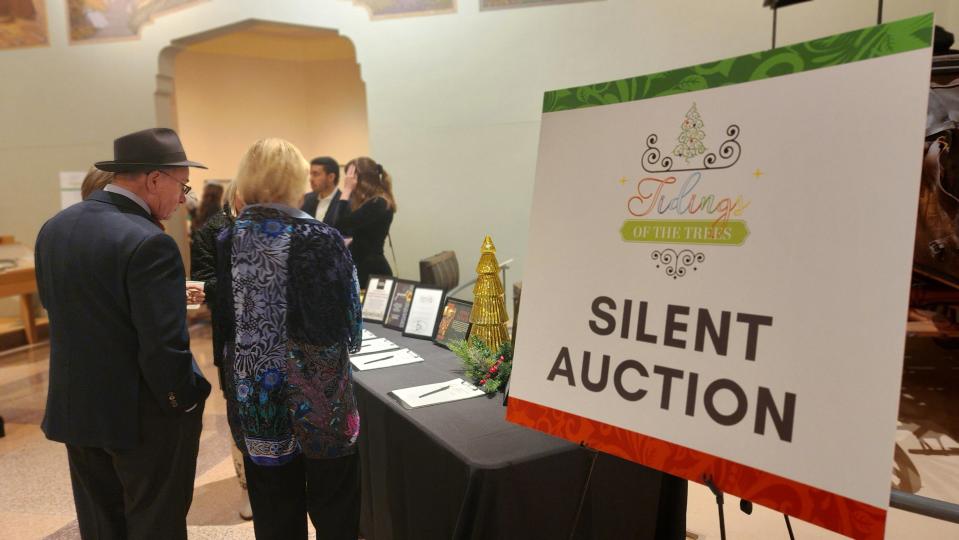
point(718, 270)
point(70, 183)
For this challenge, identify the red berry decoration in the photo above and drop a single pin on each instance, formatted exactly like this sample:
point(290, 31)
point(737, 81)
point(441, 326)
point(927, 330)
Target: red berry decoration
point(482, 381)
point(493, 369)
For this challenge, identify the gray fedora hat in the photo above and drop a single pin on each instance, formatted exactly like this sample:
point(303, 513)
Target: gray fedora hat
point(150, 148)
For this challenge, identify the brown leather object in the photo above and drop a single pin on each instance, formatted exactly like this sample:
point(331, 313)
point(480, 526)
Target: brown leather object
point(937, 231)
point(441, 270)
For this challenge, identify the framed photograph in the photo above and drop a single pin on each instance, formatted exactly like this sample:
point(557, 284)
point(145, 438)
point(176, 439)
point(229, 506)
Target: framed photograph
point(454, 322)
point(379, 291)
point(400, 300)
point(424, 312)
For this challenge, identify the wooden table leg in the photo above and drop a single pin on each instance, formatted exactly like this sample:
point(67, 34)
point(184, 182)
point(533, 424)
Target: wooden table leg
point(26, 315)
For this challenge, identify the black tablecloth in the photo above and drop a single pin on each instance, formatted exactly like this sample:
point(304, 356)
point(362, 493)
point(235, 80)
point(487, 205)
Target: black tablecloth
point(460, 470)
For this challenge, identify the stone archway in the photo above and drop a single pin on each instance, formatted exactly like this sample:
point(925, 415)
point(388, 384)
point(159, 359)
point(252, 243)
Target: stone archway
point(282, 69)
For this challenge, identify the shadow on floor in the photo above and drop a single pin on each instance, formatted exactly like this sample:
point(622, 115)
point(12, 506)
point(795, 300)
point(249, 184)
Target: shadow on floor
point(217, 503)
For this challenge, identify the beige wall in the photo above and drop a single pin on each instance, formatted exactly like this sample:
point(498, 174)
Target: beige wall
point(336, 111)
point(453, 100)
point(225, 103)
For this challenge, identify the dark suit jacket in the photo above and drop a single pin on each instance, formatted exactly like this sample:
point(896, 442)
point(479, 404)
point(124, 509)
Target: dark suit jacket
point(113, 284)
point(368, 226)
point(312, 200)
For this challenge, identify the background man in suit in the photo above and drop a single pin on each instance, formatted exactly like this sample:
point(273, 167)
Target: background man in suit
point(324, 176)
point(125, 394)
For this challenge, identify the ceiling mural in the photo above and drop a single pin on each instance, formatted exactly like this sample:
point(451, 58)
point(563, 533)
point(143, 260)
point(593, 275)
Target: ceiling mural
point(395, 8)
point(95, 20)
point(498, 4)
point(23, 23)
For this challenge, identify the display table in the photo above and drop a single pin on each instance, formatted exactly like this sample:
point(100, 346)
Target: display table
point(22, 282)
point(460, 470)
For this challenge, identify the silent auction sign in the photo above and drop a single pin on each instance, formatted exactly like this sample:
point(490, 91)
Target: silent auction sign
point(673, 377)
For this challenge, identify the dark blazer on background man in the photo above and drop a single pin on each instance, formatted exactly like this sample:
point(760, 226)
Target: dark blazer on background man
point(312, 200)
point(114, 286)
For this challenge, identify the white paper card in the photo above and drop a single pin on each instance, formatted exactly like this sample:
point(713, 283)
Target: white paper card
point(432, 394)
point(377, 298)
point(376, 345)
point(70, 183)
point(423, 312)
point(385, 359)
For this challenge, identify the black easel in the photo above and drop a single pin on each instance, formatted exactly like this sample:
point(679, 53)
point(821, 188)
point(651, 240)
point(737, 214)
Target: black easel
point(708, 480)
point(776, 4)
point(789, 526)
point(582, 497)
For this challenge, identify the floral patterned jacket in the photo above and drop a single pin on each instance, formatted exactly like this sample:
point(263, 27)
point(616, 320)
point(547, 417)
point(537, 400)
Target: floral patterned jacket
point(289, 307)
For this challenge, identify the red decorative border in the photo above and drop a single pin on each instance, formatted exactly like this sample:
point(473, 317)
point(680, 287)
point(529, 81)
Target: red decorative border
point(834, 512)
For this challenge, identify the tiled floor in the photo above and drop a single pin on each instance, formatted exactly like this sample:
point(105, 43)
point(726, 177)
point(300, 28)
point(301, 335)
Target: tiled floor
point(36, 500)
point(35, 496)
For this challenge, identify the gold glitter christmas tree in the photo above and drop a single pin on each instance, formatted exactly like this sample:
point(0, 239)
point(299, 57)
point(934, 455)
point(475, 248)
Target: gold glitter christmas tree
point(489, 302)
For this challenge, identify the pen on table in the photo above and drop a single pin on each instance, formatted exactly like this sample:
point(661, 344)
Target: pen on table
point(438, 390)
point(364, 353)
point(378, 360)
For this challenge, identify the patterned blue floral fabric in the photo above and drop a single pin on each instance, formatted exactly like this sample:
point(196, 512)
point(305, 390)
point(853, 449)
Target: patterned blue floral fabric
point(294, 320)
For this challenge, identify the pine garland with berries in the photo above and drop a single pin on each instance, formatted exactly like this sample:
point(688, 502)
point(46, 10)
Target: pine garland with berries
point(489, 370)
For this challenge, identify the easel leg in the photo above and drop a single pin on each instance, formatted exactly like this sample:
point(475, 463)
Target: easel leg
point(789, 528)
point(708, 480)
point(582, 497)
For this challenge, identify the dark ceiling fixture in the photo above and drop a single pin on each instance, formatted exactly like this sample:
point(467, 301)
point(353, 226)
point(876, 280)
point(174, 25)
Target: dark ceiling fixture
point(774, 4)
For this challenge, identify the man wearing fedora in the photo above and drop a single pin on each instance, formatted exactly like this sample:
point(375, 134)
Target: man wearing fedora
point(124, 394)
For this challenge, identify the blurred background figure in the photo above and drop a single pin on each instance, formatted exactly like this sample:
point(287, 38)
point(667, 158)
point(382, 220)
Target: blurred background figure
point(211, 203)
point(95, 180)
point(324, 176)
point(203, 268)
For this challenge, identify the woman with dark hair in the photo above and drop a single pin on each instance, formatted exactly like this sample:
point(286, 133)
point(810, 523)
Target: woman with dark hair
point(364, 215)
point(203, 268)
point(211, 203)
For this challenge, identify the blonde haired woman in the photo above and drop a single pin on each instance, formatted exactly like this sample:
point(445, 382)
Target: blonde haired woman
point(289, 305)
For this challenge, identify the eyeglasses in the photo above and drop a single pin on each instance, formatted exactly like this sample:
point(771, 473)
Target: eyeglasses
point(186, 189)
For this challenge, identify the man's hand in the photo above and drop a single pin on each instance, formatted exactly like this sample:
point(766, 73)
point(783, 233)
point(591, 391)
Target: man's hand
point(194, 293)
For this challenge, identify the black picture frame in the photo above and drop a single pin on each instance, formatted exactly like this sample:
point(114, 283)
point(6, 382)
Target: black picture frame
point(462, 306)
point(388, 301)
point(434, 318)
point(408, 287)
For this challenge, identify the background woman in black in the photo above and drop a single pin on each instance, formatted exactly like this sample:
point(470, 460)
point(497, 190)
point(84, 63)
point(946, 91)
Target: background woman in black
point(211, 204)
point(366, 208)
point(203, 268)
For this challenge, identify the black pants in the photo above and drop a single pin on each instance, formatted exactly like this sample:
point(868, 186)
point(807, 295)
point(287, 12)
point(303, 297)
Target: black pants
point(142, 493)
point(327, 489)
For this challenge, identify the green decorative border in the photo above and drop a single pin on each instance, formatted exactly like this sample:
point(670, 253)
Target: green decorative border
point(873, 42)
